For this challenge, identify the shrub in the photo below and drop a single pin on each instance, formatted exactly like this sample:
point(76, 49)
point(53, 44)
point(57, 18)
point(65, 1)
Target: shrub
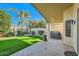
point(21, 32)
point(9, 34)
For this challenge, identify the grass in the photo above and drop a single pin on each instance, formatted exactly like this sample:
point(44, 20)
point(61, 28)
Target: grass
point(9, 46)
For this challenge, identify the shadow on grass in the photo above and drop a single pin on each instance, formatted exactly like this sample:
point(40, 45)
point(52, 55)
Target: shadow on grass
point(8, 47)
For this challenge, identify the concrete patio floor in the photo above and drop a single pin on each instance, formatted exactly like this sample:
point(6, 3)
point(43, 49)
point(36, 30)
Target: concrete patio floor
point(50, 48)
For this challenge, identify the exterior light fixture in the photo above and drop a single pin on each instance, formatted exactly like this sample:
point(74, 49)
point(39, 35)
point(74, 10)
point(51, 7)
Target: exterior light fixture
point(72, 21)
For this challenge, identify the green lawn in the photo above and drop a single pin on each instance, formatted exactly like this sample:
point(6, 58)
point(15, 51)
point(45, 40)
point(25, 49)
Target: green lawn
point(9, 46)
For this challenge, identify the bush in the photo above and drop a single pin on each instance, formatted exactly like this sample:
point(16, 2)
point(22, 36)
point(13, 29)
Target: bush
point(1, 34)
point(40, 37)
point(21, 32)
point(9, 34)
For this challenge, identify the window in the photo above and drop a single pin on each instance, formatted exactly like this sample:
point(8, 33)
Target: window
point(68, 28)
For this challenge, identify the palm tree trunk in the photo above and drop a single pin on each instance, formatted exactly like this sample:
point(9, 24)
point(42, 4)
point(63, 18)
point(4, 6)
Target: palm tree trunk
point(30, 28)
point(22, 23)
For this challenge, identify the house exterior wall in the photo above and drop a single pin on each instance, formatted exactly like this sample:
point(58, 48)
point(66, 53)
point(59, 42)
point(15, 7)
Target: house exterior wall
point(71, 14)
point(57, 27)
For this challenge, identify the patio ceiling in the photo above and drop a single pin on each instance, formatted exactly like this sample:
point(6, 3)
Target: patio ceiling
point(52, 12)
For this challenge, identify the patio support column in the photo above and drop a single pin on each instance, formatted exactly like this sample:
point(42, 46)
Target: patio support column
point(48, 29)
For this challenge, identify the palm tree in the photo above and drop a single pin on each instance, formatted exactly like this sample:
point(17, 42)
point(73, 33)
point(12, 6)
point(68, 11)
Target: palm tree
point(22, 14)
point(19, 23)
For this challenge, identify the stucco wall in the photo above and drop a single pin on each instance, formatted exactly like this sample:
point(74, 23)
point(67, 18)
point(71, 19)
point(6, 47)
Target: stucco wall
point(57, 27)
point(68, 15)
point(71, 14)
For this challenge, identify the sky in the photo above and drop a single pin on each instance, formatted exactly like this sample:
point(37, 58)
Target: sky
point(34, 14)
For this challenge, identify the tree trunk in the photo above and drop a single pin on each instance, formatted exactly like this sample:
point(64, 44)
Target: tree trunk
point(30, 30)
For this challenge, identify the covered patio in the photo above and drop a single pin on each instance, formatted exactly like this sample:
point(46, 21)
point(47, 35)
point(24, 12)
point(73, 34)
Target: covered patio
point(53, 13)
